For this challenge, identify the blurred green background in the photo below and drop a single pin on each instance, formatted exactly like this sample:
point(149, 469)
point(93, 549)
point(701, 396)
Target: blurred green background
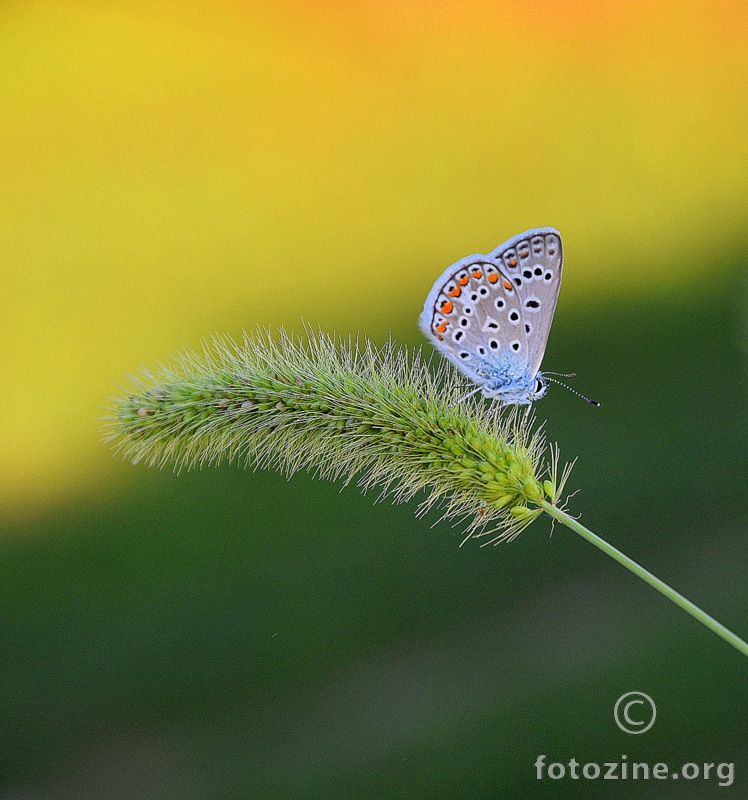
point(174, 170)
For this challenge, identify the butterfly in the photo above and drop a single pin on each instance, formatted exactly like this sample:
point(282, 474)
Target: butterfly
point(490, 315)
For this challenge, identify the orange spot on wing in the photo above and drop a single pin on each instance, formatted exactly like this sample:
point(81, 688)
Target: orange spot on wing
point(493, 277)
point(447, 307)
point(463, 281)
point(442, 327)
point(508, 286)
point(512, 262)
point(456, 292)
point(477, 274)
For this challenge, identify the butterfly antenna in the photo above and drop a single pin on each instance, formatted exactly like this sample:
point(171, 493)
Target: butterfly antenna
point(562, 374)
point(573, 391)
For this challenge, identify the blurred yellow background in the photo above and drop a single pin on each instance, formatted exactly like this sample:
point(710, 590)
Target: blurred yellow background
point(172, 170)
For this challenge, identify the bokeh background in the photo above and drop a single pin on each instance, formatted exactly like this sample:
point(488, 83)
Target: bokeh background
point(177, 169)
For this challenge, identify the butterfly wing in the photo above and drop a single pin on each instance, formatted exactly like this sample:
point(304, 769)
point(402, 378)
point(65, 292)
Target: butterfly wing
point(533, 261)
point(464, 313)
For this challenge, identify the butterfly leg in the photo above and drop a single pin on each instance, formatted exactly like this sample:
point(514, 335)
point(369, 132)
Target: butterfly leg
point(465, 397)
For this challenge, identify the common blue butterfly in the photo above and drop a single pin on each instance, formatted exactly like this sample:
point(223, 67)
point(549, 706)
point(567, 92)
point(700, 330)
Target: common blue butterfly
point(491, 314)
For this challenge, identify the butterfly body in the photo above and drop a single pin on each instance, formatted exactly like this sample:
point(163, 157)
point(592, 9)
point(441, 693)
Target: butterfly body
point(490, 315)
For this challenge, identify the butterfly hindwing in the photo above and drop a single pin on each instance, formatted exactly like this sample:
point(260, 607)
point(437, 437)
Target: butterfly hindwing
point(467, 313)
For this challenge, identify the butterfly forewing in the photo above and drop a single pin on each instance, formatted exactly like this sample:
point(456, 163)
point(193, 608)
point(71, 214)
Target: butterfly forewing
point(533, 261)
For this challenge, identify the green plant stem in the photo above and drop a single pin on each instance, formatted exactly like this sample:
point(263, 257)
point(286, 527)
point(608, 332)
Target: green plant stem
point(647, 577)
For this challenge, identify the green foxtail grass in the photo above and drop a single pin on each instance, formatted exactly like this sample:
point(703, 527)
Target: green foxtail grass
point(345, 411)
point(379, 415)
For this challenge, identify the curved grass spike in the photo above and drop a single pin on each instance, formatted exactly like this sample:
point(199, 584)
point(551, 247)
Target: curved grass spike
point(342, 411)
point(345, 410)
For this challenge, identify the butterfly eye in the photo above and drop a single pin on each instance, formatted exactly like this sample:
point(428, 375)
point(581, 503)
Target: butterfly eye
point(539, 386)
